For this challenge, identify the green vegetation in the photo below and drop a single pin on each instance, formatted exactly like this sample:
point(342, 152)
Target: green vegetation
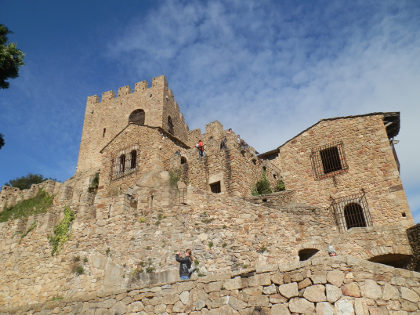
point(32, 227)
point(150, 269)
point(211, 244)
point(57, 298)
point(142, 219)
point(279, 186)
point(38, 204)
point(79, 270)
point(224, 245)
point(76, 259)
point(11, 58)
point(61, 231)
point(174, 176)
point(94, 184)
point(262, 249)
point(262, 187)
point(108, 252)
point(25, 182)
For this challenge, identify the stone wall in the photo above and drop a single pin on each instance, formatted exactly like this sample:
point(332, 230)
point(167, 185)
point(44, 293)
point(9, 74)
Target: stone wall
point(371, 166)
point(105, 118)
point(236, 166)
point(338, 285)
point(413, 234)
point(225, 233)
point(154, 151)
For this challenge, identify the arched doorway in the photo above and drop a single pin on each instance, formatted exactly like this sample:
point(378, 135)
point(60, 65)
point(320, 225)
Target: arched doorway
point(306, 253)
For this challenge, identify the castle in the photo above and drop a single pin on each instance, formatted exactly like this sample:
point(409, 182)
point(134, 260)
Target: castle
point(141, 192)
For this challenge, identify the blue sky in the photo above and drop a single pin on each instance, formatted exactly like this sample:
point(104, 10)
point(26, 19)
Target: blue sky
point(266, 69)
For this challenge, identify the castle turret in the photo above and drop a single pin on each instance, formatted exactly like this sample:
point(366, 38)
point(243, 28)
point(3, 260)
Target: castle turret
point(104, 118)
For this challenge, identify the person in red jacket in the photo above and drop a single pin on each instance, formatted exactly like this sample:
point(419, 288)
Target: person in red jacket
point(200, 148)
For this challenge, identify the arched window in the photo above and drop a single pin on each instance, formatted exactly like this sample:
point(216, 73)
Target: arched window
point(122, 163)
point(133, 160)
point(137, 117)
point(353, 213)
point(170, 125)
point(183, 160)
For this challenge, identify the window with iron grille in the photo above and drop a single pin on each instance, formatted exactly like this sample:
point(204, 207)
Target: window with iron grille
point(351, 211)
point(124, 163)
point(328, 160)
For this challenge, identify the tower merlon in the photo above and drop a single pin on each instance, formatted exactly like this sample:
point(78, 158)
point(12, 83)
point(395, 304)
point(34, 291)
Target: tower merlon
point(107, 95)
point(124, 90)
point(160, 81)
point(140, 86)
point(93, 99)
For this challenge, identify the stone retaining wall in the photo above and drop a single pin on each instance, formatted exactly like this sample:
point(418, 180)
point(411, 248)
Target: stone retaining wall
point(337, 285)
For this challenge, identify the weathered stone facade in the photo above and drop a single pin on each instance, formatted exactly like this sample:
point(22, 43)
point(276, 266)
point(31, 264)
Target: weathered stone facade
point(369, 167)
point(156, 196)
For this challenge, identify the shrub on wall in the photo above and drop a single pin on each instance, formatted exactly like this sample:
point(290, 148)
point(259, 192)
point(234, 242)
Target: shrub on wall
point(61, 231)
point(279, 186)
point(262, 187)
point(174, 176)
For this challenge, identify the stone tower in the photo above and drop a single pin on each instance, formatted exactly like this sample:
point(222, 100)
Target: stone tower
point(151, 106)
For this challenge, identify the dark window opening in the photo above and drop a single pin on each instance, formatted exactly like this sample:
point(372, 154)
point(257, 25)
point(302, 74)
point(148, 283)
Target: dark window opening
point(183, 160)
point(215, 187)
point(133, 162)
point(330, 160)
point(254, 161)
point(137, 117)
point(394, 260)
point(170, 125)
point(353, 214)
point(264, 168)
point(122, 163)
point(306, 253)
point(103, 133)
point(403, 215)
point(264, 200)
point(275, 176)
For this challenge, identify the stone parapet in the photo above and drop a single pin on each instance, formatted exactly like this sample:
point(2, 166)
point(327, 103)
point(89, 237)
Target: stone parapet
point(339, 285)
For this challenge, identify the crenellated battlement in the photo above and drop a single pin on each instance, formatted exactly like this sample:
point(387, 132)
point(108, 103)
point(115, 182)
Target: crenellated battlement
point(157, 82)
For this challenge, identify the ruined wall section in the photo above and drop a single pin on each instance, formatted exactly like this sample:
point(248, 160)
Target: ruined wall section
point(105, 118)
point(154, 151)
point(225, 233)
point(338, 285)
point(371, 166)
point(236, 165)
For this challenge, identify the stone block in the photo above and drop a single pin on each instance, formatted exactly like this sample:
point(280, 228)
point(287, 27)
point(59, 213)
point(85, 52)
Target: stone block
point(279, 309)
point(271, 289)
point(302, 306)
point(277, 278)
point(304, 283)
point(233, 284)
point(289, 290)
point(315, 293)
point(319, 277)
point(344, 307)
point(333, 293)
point(184, 297)
point(371, 289)
point(236, 303)
point(324, 308)
point(390, 292)
point(409, 295)
point(351, 289)
point(277, 299)
point(213, 286)
point(335, 277)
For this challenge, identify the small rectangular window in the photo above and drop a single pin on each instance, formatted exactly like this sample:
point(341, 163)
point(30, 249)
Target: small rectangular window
point(215, 187)
point(328, 160)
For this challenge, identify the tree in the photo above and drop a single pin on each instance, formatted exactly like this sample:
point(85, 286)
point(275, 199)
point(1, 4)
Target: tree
point(1, 140)
point(11, 58)
point(25, 182)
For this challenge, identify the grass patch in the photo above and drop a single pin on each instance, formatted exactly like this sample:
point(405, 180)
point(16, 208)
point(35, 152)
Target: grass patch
point(32, 227)
point(36, 205)
point(279, 186)
point(61, 231)
point(57, 298)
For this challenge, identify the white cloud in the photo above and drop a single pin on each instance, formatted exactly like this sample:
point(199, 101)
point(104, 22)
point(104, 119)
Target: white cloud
point(270, 71)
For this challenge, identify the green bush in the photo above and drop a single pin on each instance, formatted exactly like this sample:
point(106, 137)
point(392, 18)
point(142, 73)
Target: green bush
point(38, 204)
point(61, 231)
point(279, 186)
point(262, 187)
